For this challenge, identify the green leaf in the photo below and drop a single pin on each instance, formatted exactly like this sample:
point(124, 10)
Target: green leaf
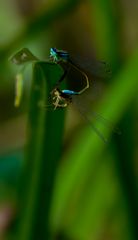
point(45, 131)
point(23, 56)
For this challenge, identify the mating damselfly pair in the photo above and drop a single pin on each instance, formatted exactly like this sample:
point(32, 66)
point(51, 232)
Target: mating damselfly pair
point(61, 98)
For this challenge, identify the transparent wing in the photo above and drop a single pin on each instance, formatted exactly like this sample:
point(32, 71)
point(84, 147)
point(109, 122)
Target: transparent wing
point(88, 115)
point(87, 119)
point(96, 68)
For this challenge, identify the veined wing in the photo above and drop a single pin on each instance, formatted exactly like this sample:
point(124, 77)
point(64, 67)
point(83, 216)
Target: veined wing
point(96, 68)
point(89, 115)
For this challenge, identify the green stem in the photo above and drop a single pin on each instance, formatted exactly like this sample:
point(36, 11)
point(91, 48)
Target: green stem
point(42, 156)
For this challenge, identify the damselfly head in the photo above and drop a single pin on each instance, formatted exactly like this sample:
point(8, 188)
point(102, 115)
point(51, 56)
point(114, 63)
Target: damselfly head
point(58, 55)
point(53, 55)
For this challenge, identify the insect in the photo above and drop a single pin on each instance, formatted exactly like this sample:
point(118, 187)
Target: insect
point(63, 98)
point(99, 69)
point(60, 99)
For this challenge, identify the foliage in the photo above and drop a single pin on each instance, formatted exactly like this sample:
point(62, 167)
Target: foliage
point(74, 185)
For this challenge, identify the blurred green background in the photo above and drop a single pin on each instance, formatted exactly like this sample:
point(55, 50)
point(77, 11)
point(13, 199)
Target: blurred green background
point(84, 189)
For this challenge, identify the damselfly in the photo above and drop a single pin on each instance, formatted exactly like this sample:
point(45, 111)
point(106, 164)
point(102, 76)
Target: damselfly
point(98, 69)
point(63, 98)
